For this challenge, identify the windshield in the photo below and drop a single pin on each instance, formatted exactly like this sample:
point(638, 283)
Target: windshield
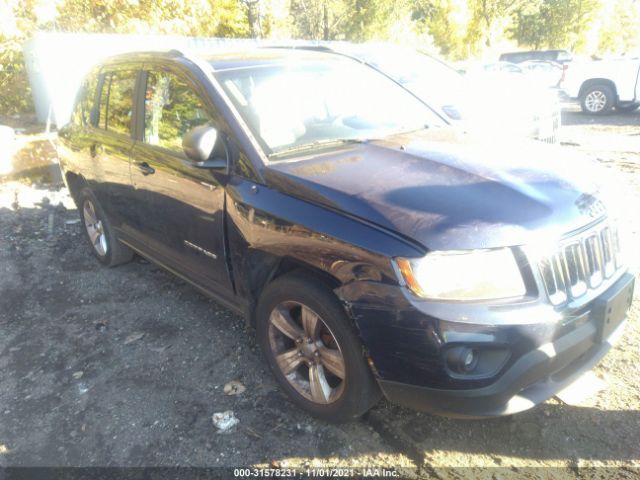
point(291, 107)
point(410, 66)
point(432, 80)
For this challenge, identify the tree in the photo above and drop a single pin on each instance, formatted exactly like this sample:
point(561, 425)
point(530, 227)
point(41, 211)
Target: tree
point(619, 30)
point(224, 18)
point(555, 24)
point(438, 18)
point(317, 19)
point(356, 20)
point(486, 13)
point(17, 19)
point(528, 29)
point(253, 17)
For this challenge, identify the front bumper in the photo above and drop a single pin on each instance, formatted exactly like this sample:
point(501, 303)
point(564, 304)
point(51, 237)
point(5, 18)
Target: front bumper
point(545, 357)
point(535, 377)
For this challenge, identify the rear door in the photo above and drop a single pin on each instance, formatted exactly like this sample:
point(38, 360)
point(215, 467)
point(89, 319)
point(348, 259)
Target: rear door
point(181, 207)
point(111, 142)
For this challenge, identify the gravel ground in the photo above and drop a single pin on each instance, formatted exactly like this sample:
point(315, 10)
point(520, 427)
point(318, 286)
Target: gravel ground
point(126, 366)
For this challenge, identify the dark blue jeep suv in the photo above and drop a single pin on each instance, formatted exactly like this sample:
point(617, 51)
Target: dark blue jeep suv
point(374, 249)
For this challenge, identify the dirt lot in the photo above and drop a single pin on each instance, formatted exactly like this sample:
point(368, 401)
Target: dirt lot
point(125, 366)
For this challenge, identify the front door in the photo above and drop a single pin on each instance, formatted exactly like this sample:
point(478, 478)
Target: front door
point(181, 208)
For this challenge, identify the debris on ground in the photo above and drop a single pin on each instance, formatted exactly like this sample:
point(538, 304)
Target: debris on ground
point(234, 387)
point(224, 421)
point(134, 337)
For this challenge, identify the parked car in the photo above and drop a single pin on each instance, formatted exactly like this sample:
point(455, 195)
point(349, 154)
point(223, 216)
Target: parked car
point(547, 74)
point(373, 248)
point(502, 67)
point(493, 101)
point(602, 85)
point(558, 56)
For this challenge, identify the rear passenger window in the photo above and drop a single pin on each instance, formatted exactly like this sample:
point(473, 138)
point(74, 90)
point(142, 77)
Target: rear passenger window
point(116, 101)
point(171, 109)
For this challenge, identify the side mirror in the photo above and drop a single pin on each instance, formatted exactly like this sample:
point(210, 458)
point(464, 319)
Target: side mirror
point(200, 145)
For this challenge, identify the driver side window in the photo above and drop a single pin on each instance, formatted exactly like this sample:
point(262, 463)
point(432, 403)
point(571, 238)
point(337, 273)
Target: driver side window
point(171, 109)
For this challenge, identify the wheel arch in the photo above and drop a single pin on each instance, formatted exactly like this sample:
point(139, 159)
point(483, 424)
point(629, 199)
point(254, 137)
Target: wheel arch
point(281, 234)
point(262, 268)
point(592, 82)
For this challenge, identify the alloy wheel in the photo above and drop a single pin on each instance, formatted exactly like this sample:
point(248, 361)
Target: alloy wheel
point(595, 101)
point(306, 352)
point(95, 228)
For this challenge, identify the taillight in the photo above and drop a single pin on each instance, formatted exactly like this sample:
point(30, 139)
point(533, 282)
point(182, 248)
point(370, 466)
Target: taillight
point(564, 72)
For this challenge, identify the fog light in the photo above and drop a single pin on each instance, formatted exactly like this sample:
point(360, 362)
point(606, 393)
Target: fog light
point(477, 361)
point(469, 359)
point(462, 359)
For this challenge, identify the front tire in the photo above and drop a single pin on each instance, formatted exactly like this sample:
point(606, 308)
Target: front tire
point(597, 99)
point(313, 351)
point(104, 244)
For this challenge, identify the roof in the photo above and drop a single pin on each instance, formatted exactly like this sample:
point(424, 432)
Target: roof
point(225, 59)
point(259, 57)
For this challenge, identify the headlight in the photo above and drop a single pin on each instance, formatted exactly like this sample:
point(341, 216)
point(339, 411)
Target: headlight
point(463, 275)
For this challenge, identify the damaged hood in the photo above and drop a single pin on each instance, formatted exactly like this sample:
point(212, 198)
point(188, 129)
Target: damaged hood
point(447, 190)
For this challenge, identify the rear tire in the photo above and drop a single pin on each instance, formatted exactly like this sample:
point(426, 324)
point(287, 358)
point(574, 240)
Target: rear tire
point(290, 308)
point(102, 239)
point(597, 99)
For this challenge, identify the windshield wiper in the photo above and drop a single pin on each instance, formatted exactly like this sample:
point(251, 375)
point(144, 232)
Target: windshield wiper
point(317, 144)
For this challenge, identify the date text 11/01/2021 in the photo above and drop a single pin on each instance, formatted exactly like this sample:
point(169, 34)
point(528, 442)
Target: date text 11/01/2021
point(316, 473)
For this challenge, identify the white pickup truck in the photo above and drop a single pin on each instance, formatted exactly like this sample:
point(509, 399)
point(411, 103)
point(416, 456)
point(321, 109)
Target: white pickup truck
point(603, 84)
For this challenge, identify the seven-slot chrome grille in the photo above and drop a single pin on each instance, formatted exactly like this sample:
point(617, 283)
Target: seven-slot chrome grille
point(582, 262)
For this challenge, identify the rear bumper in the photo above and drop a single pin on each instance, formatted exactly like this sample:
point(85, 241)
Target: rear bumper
point(532, 379)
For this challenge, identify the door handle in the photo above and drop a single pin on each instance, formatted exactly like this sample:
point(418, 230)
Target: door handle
point(145, 168)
